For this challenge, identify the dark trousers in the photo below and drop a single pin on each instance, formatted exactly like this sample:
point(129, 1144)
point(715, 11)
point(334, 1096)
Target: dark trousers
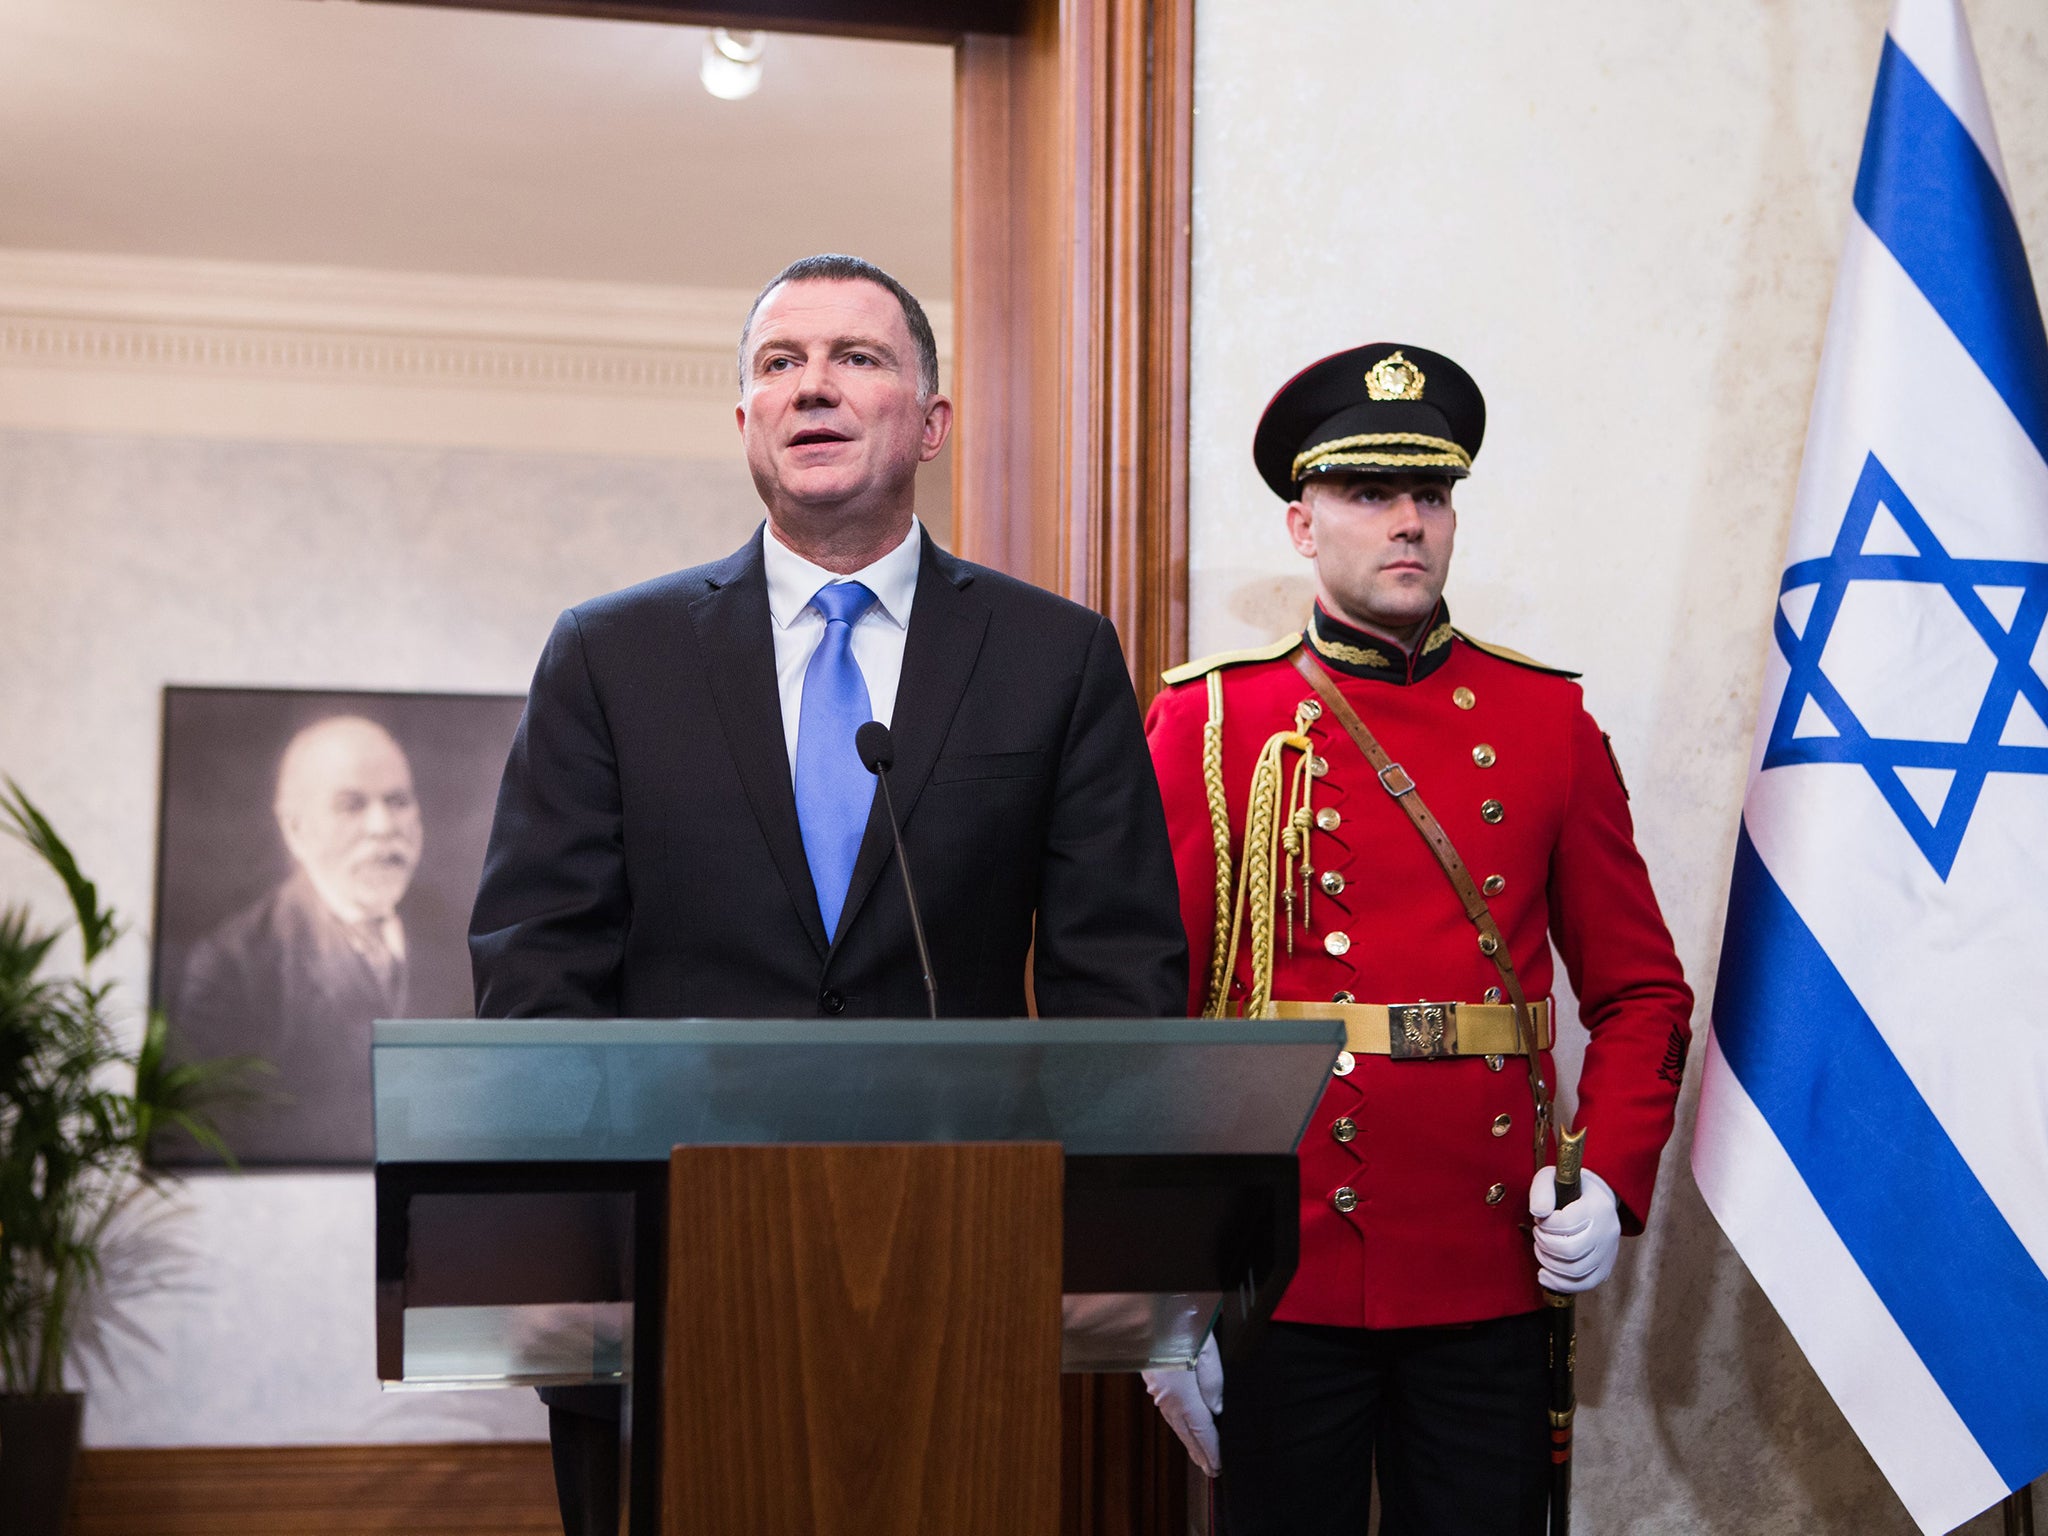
point(1453, 1420)
point(583, 1434)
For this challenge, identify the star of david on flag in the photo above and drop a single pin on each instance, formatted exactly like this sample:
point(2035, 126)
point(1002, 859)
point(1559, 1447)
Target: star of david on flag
point(1889, 584)
point(1873, 1123)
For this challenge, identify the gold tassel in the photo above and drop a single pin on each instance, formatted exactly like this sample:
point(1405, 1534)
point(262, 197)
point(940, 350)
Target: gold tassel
point(1253, 909)
point(1221, 948)
point(1302, 817)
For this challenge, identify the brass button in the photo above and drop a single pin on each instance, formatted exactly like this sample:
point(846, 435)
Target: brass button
point(1496, 1193)
point(1493, 994)
point(1488, 944)
point(1343, 1128)
point(1494, 1063)
point(1328, 819)
point(1345, 1199)
point(1483, 755)
point(1331, 882)
point(1501, 1124)
point(1462, 697)
point(1318, 766)
point(1342, 1066)
point(1309, 709)
point(1491, 813)
point(1493, 885)
point(1343, 997)
point(1336, 943)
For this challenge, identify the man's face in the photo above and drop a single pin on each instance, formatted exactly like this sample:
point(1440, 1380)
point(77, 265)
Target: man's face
point(1381, 544)
point(829, 409)
point(346, 806)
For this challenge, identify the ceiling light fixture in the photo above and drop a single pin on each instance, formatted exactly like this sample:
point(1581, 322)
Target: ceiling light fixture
point(732, 63)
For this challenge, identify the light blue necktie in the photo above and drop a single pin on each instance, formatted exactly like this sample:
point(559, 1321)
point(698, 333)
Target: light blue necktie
point(833, 790)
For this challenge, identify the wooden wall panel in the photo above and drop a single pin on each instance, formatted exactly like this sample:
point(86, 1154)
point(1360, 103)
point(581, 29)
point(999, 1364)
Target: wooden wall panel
point(1128, 554)
point(1122, 1472)
point(1009, 299)
point(1072, 170)
point(317, 1490)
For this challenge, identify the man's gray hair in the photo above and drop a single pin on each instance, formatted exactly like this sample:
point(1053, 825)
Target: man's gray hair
point(834, 268)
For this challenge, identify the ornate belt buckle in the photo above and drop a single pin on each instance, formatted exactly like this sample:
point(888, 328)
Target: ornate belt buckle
point(1422, 1031)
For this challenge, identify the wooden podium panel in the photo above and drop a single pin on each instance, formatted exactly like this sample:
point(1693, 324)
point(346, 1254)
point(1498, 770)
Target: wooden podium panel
point(863, 1340)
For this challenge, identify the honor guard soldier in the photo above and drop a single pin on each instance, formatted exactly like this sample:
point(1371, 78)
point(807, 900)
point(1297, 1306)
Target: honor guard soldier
point(1386, 821)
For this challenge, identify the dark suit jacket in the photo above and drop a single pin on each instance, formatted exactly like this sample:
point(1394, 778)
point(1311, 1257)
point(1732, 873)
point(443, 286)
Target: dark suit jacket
point(280, 980)
point(646, 861)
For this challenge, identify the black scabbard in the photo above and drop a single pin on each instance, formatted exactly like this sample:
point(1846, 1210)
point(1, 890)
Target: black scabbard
point(1564, 1350)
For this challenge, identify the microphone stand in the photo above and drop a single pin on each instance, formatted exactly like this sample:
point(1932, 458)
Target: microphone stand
point(878, 755)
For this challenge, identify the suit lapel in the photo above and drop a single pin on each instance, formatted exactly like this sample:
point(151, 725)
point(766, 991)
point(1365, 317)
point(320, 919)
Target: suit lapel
point(947, 623)
point(735, 632)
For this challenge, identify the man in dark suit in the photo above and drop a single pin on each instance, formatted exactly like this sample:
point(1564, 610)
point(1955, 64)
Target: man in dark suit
point(684, 827)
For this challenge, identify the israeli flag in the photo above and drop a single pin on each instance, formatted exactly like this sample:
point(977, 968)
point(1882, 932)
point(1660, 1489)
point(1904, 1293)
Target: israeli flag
point(1873, 1125)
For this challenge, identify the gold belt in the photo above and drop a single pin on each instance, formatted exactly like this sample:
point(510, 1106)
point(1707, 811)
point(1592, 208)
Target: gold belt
point(1424, 1031)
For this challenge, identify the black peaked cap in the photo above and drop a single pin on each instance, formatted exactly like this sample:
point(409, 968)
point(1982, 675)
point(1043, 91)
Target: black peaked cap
point(1386, 406)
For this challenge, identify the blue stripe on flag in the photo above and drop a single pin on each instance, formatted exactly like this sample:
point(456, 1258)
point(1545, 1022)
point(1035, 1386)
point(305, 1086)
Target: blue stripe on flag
point(1940, 1255)
point(1928, 193)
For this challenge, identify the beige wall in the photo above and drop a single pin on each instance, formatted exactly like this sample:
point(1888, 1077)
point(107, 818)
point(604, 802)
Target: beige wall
point(1624, 220)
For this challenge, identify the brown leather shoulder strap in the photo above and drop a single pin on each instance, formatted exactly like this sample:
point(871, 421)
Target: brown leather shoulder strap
point(1492, 942)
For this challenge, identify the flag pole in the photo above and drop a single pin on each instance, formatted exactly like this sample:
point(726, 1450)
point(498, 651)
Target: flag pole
point(2018, 1510)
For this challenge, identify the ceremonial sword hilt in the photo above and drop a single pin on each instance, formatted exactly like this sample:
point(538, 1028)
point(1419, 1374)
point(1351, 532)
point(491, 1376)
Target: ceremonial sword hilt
point(1571, 1157)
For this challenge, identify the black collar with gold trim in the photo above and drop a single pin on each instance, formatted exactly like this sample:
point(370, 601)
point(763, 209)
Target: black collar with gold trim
point(1362, 653)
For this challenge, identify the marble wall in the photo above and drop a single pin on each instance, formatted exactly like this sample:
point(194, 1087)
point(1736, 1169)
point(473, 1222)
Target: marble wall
point(1624, 219)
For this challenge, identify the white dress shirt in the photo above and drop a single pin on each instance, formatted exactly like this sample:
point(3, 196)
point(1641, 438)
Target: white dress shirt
point(878, 634)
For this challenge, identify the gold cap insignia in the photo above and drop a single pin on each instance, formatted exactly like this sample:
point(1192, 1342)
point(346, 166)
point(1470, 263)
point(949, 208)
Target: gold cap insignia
point(1394, 378)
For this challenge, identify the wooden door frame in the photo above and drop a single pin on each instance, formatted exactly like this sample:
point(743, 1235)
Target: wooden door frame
point(1072, 174)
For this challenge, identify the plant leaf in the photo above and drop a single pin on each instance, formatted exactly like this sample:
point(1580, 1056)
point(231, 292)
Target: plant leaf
point(97, 927)
point(73, 1144)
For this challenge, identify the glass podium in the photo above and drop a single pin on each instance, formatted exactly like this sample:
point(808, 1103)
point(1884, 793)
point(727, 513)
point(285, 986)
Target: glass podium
point(522, 1178)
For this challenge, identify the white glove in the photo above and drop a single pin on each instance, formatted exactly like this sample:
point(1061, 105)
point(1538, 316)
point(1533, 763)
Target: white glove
point(1189, 1401)
point(1575, 1247)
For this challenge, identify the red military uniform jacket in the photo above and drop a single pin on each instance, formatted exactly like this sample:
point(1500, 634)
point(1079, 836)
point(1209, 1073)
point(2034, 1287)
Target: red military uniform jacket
point(1439, 1152)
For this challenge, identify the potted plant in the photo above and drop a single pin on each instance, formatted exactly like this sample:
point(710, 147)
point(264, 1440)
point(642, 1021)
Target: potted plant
point(77, 1112)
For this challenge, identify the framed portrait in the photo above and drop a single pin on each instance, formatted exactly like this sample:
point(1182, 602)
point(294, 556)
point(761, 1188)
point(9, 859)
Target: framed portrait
point(317, 856)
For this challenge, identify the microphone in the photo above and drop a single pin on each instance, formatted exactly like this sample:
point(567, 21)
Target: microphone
point(877, 749)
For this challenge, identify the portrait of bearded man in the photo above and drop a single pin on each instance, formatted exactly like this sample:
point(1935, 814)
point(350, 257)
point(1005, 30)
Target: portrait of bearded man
point(304, 893)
